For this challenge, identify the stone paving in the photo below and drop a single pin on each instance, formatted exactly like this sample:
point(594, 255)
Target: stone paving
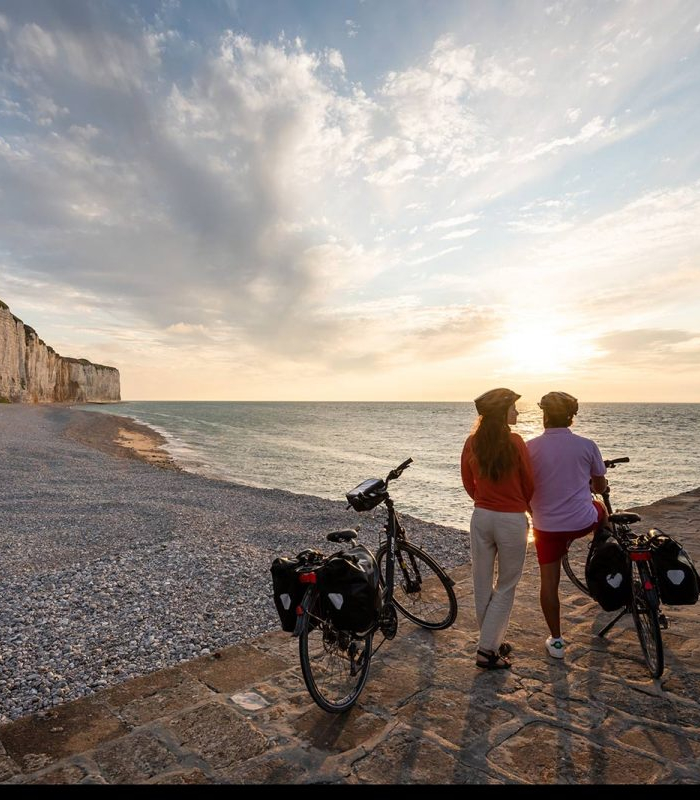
point(426, 715)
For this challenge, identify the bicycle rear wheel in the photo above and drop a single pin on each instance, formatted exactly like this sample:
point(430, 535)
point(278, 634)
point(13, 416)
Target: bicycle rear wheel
point(334, 663)
point(574, 562)
point(645, 611)
point(423, 592)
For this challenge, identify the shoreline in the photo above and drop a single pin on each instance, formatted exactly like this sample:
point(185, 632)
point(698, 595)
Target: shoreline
point(121, 437)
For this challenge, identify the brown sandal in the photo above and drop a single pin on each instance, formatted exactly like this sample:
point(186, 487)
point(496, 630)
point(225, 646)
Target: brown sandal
point(493, 661)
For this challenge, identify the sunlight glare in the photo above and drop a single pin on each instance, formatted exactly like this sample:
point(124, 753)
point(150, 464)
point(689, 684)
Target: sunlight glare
point(542, 349)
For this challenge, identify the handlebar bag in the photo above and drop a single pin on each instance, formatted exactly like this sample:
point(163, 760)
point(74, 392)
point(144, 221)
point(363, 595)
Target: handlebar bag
point(287, 590)
point(677, 577)
point(608, 573)
point(367, 495)
point(350, 589)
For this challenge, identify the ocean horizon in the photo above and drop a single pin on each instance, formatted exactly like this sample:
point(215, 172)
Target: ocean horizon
point(325, 448)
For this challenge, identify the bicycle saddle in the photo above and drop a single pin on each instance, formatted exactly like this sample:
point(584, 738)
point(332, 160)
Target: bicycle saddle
point(346, 535)
point(624, 518)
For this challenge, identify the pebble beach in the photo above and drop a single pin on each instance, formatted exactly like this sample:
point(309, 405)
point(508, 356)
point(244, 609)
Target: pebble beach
point(116, 563)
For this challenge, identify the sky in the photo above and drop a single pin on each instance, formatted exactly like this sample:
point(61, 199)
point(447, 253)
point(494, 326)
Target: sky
point(357, 200)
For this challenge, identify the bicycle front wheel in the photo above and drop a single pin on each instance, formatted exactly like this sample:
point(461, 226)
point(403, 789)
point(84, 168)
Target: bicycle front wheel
point(574, 562)
point(423, 592)
point(645, 611)
point(334, 663)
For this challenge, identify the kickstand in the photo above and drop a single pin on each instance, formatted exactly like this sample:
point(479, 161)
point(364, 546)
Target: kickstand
point(622, 613)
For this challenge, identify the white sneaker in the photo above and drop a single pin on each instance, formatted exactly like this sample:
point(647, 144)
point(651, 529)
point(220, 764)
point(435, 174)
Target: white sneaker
point(555, 647)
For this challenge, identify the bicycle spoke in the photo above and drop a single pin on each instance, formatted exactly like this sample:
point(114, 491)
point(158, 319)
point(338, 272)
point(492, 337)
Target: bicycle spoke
point(334, 663)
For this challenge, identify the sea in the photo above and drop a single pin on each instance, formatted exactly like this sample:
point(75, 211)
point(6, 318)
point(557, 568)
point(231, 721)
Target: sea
point(326, 448)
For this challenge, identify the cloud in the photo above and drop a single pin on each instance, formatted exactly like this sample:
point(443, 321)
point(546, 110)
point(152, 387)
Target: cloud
point(183, 201)
point(650, 348)
point(654, 228)
point(419, 334)
point(463, 234)
point(443, 333)
point(593, 129)
point(335, 59)
point(655, 297)
point(184, 328)
point(451, 222)
point(434, 256)
point(95, 58)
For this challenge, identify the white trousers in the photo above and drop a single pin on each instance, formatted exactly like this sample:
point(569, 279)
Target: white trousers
point(498, 543)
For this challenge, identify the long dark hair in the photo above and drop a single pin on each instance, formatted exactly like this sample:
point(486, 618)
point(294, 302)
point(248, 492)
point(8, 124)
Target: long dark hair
point(492, 447)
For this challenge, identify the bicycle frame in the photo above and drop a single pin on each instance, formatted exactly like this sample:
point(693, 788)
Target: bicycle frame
point(392, 526)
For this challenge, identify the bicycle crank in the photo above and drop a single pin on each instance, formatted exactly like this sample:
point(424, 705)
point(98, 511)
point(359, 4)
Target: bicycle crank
point(388, 621)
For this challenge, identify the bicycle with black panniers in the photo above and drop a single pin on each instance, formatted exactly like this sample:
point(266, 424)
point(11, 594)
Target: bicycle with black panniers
point(634, 573)
point(335, 604)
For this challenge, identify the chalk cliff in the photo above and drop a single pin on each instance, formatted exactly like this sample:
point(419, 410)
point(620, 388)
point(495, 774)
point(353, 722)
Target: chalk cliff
point(33, 372)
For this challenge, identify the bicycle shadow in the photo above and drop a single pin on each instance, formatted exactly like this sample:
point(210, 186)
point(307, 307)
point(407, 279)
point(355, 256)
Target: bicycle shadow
point(561, 729)
point(614, 722)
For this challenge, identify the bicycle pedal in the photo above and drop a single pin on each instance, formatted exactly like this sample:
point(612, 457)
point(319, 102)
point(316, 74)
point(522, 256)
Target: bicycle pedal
point(663, 622)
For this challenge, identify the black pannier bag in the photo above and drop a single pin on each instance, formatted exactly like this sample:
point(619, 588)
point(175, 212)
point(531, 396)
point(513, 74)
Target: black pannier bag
point(350, 589)
point(608, 572)
point(287, 590)
point(675, 572)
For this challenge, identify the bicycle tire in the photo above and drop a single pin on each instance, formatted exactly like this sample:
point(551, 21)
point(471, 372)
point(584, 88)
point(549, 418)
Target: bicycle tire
point(645, 612)
point(334, 663)
point(574, 562)
point(434, 607)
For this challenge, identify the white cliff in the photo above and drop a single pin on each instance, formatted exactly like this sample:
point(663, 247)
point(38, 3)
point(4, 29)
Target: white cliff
point(33, 372)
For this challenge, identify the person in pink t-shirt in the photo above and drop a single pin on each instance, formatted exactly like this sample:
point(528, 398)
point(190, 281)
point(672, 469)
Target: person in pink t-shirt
point(566, 467)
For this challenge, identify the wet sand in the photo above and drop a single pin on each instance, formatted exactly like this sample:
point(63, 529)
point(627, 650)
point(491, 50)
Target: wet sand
point(121, 437)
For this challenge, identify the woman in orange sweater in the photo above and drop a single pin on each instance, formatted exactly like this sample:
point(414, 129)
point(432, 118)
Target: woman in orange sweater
point(497, 474)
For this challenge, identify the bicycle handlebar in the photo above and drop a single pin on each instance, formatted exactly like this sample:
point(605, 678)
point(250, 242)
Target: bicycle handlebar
point(396, 472)
point(610, 463)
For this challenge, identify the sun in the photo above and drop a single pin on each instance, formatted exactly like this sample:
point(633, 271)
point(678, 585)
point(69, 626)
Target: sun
point(542, 349)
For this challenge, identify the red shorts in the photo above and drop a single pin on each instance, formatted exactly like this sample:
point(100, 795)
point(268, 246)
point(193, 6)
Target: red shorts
point(551, 546)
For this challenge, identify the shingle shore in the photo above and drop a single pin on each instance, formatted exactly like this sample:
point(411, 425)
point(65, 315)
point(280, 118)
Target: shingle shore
point(113, 568)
